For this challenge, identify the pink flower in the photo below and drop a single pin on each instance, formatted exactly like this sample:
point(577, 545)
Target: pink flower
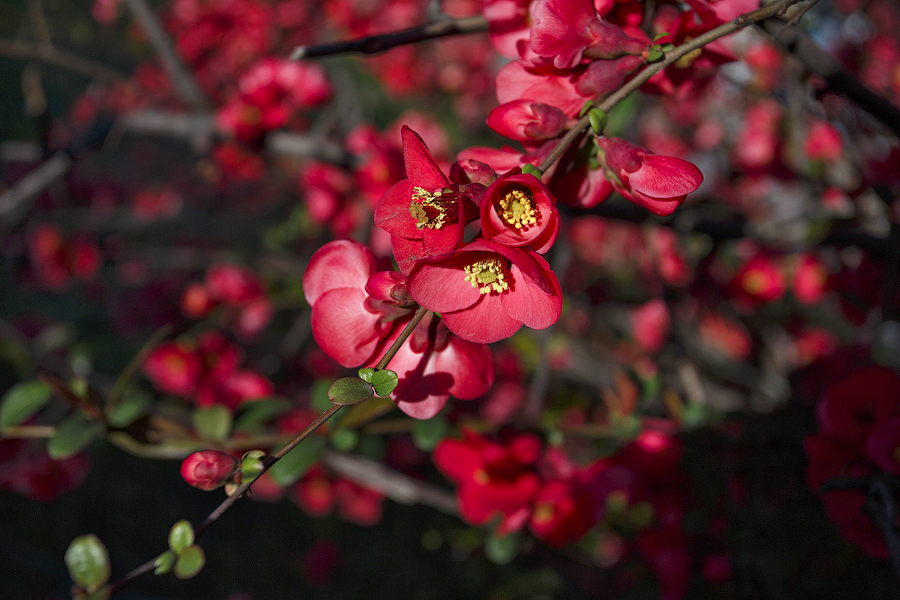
point(563, 512)
point(174, 368)
point(760, 280)
point(658, 183)
point(518, 210)
point(426, 206)
point(528, 121)
point(823, 143)
point(208, 469)
point(567, 30)
point(486, 291)
point(650, 324)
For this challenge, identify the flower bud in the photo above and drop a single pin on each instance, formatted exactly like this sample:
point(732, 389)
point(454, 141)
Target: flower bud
point(208, 469)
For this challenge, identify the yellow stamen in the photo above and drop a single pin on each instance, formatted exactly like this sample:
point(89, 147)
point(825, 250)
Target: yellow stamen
point(543, 513)
point(432, 210)
point(516, 207)
point(481, 477)
point(487, 276)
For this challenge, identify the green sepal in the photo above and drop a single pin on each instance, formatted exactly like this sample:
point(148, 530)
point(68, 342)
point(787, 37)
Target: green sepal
point(88, 562)
point(164, 562)
point(598, 120)
point(349, 390)
point(502, 549)
point(213, 422)
point(295, 463)
point(189, 562)
point(181, 536)
point(655, 54)
point(73, 435)
point(384, 382)
point(366, 374)
point(428, 432)
point(532, 170)
point(23, 401)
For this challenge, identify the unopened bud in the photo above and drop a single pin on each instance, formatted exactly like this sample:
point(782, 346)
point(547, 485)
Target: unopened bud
point(208, 469)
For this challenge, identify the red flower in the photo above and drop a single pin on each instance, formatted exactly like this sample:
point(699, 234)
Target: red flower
point(518, 210)
point(850, 408)
point(493, 478)
point(208, 469)
point(567, 30)
point(563, 512)
point(658, 183)
point(528, 121)
point(426, 206)
point(486, 291)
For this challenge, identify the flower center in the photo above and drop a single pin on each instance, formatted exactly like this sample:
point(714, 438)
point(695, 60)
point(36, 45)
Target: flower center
point(487, 275)
point(516, 207)
point(432, 210)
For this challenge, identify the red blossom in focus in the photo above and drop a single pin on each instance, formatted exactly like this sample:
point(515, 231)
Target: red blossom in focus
point(518, 210)
point(208, 469)
point(486, 291)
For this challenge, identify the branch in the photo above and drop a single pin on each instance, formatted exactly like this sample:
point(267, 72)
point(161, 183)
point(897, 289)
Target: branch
point(61, 58)
point(14, 201)
point(766, 12)
point(185, 84)
point(379, 43)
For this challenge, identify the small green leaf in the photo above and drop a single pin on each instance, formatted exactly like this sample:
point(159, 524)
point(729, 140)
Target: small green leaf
point(164, 562)
point(132, 406)
point(585, 108)
point(349, 390)
point(667, 47)
point(660, 36)
point(22, 402)
point(254, 414)
point(384, 382)
point(502, 549)
point(73, 435)
point(213, 422)
point(428, 432)
point(366, 374)
point(598, 120)
point(532, 170)
point(344, 440)
point(189, 562)
point(88, 562)
point(251, 465)
point(296, 462)
point(654, 54)
point(181, 536)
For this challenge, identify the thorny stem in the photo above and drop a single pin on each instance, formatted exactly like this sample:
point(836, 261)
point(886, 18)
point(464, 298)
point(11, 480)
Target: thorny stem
point(270, 460)
point(770, 10)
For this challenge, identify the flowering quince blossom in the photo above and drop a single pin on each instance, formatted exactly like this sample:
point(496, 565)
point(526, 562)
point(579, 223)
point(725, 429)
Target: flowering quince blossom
point(528, 121)
point(425, 206)
point(518, 210)
point(358, 312)
point(208, 469)
point(567, 30)
point(658, 183)
point(486, 291)
point(493, 478)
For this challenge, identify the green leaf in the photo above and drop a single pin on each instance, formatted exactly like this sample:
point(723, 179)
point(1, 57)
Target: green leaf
point(88, 562)
point(132, 406)
point(585, 108)
point(384, 382)
point(189, 562)
point(660, 36)
point(654, 54)
point(23, 401)
point(532, 170)
point(213, 422)
point(296, 462)
point(366, 374)
point(502, 549)
point(251, 465)
point(259, 412)
point(181, 536)
point(598, 120)
point(164, 562)
point(344, 440)
point(349, 390)
point(428, 432)
point(73, 435)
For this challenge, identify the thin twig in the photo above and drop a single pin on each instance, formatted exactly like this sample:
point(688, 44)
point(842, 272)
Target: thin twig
point(61, 58)
point(766, 12)
point(379, 43)
point(184, 82)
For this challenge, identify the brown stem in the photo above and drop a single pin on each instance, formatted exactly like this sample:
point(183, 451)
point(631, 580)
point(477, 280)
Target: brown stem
point(379, 43)
point(766, 12)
